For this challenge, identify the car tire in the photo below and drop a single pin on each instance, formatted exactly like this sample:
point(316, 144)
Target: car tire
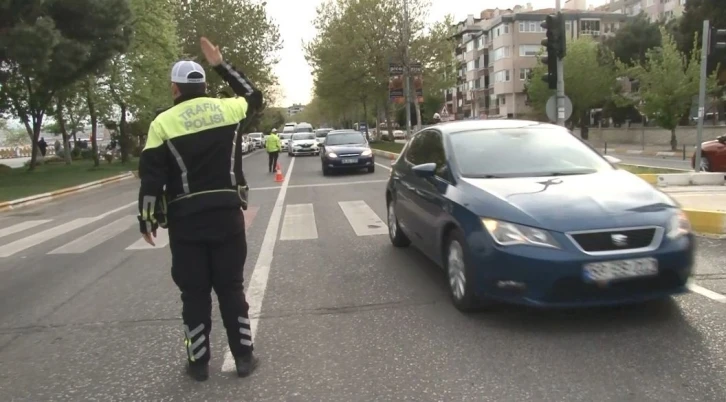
point(326, 172)
point(398, 238)
point(706, 164)
point(459, 272)
point(371, 169)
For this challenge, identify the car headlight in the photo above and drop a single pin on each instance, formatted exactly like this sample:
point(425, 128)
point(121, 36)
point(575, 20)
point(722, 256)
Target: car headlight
point(679, 225)
point(332, 155)
point(367, 152)
point(509, 234)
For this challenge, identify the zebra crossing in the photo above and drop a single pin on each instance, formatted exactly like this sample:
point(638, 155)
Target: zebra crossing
point(299, 223)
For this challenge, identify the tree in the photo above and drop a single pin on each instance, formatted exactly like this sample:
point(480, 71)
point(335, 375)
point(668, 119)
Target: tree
point(247, 36)
point(691, 27)
point(45, 46)
point(70, 114)
point(668, 83)
point(273, 117)
point(633, 40)
point(138, 81)
point(589, 81)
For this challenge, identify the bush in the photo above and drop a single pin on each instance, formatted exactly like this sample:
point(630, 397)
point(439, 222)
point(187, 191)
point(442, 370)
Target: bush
point(54, 160)
point(86, 153)
point(136, 151)
point(76, 153)
point(5, 169)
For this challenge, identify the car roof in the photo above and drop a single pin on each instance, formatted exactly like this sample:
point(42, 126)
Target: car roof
point(469, 125)
point(345, 130)
point(304, 125)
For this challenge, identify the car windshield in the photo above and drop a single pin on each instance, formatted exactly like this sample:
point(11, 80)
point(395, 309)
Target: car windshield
point(523, 152)
point(303, 136)
point(322, 133)
point(253, 135)
point(345, 139)
point(285, 136)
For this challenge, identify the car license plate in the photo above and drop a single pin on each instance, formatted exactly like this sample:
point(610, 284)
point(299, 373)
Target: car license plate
point(349, 161)
point(623, 269)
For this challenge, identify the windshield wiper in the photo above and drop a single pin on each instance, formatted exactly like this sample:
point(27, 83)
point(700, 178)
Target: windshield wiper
point(570, 173)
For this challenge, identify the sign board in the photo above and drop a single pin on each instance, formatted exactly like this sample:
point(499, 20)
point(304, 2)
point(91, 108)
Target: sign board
point(553, 113)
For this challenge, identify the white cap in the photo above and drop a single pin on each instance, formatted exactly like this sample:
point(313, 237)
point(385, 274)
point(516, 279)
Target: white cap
point(436, 116)
point(187, 72)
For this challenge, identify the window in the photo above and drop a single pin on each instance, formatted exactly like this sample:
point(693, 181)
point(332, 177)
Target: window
point(589, 27)
point(501, 52)
point(531, 27)
point(523, 152)
point(470, 65)
point(524, 73)
point(529, 50)
point(427, 147)
point(648, 3)
point(303, 136)
point(351, 137)
point(501, 76)
point(470, 46)
point(506, 28)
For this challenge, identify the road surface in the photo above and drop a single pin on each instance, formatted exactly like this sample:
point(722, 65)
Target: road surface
point(87, 313)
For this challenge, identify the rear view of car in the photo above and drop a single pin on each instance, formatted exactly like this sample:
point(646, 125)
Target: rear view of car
point(256, 139)
point(321, 133)
point(346, 150)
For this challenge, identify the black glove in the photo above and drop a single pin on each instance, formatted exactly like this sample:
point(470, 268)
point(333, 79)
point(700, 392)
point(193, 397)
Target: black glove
point(148, 226)
point(244, 192)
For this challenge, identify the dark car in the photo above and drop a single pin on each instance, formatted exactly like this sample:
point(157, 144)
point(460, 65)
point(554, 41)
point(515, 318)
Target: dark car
point(346, 150)
point(525, 212)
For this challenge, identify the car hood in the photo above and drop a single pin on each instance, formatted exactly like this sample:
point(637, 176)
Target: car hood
point(711, 145)
point(567, 203)
point(344, 149)
point(302, 142)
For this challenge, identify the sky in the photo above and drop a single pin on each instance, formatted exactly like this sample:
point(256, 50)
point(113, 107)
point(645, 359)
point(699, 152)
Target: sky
point(295, 18)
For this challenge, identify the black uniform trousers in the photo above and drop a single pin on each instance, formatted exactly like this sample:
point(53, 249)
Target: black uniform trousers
point(272, 160)
point(209, 252)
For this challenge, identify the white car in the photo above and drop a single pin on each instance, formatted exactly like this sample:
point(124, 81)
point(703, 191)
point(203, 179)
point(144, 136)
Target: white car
point(256, 139)
point(303, 144)
point(285, 140)
point(245, 145)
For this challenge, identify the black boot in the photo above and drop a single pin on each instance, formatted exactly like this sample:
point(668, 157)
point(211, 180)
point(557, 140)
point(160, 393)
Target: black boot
point(199, 372)
point(246, 364)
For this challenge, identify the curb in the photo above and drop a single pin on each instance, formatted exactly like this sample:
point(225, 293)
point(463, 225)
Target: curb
point(709, 223)
point(45, 197)
point(639, 152)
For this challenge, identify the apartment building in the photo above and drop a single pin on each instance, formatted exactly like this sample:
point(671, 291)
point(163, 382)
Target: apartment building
point(655, 9)
point(295, 109)
point(497, 51)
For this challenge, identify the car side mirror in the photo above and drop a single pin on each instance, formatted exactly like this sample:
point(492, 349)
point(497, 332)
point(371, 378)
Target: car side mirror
point(425, 170)
point(612, 159)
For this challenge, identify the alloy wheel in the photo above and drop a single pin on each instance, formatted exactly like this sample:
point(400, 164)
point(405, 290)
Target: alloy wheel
point(457, 270)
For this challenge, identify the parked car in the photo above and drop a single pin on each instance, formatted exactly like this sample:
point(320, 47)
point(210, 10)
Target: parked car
point(346, 150)
point(713, 155)
point(245, 144)
point(303, 144)
point(524, 212)
point(285, 141)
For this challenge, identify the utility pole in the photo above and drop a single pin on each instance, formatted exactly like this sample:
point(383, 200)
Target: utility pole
point(712, 39)
point(560, 74)
point(406, 68)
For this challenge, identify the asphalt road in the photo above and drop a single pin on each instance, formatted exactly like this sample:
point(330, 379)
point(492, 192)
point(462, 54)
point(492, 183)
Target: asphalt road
point(340, 314)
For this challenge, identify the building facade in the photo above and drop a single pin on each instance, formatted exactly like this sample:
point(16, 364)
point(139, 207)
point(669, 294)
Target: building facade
point(295, 109)
point(497, 51)
point(656, 10)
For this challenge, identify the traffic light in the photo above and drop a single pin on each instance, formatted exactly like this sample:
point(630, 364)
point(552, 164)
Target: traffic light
point(550, 25)
point(717, 40)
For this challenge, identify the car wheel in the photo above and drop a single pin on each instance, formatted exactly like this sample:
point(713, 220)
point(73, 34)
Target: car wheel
point(458, 270)
point(325, 170)
point(398, 238)
point(705, 164)
point(371, 169)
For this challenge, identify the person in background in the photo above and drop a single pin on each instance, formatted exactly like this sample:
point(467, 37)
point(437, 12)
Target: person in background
point(43, 146)
point(437, 118)
point(273, 145)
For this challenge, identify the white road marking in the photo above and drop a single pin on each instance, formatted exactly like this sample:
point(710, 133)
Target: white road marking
point(299, 223)
point(346, 183)
point(258, 283)
point(98, 236)
point(706, 292)
point(161, 240)
point(361, 217)
point(35, 239)
point(383, 166)
point(22, 226)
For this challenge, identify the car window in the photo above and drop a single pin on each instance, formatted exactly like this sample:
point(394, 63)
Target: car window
point(285, 136)
point(345, 138)
point(303, 129)
point(322, 133)
point(428, 147)
point(303, 136)
point(255, 135)
point(523, 152)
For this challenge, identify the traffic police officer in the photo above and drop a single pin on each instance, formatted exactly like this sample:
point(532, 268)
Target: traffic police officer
point(192, 181)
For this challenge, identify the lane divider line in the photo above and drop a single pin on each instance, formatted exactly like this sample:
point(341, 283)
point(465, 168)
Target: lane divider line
point(258, 282)
point(706, 292)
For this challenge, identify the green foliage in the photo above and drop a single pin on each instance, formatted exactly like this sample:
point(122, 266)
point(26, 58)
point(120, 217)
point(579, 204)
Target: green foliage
point(669, 81)
point(272, 117)
point(589, 79)
point(691, 26)
point(632, 41)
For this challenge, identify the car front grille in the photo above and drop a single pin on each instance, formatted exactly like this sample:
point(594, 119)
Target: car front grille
point(615, 240)
point(348, 155)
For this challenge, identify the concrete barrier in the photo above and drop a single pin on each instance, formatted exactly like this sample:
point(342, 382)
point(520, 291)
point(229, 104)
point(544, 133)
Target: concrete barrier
point(690, 179)
point(707, 222)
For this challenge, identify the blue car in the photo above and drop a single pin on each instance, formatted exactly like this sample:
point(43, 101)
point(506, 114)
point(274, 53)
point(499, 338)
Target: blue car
point(524, 212)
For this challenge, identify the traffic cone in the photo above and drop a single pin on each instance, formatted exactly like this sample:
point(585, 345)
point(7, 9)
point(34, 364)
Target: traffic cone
point(278, 167)
point(278, 174)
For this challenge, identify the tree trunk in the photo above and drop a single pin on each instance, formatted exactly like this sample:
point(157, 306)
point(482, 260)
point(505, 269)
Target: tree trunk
point(417, 106)
point(64, 132)
point(674, 142)
point(365, 116)
point(124, 142)
point(94, 122)
point(37, 123)
point(389, 123)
